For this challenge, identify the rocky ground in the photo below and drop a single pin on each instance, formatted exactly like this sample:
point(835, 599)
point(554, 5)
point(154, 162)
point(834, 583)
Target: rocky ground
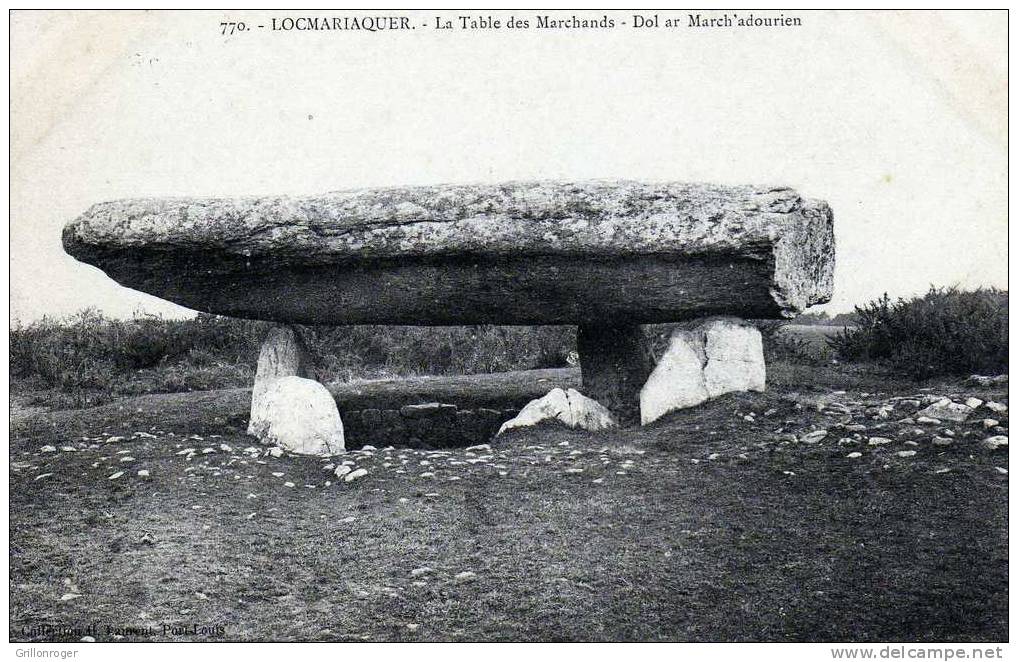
point(860, 509)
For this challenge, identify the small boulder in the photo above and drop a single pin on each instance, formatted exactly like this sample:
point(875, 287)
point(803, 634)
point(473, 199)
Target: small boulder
point(947, 410)
point(814, 437)
point(355, 474)
point(570, 408)
point(300, 416)
point(995, 442)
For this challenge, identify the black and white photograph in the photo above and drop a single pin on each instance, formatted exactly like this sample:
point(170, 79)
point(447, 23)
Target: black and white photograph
point(472, 326)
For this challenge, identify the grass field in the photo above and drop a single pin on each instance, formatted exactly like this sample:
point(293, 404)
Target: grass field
point(724, 522)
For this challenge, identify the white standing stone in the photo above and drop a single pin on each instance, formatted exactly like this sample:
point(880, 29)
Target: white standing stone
point(677, 381)
point(300, 416)
point(569, 407)
point(283, 354)
point(735, 362)
point(720, 355)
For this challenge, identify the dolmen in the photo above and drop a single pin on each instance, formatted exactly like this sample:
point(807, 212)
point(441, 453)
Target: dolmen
point(605, 256)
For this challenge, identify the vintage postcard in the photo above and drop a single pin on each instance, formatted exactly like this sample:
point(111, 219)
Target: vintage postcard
point(513, 325)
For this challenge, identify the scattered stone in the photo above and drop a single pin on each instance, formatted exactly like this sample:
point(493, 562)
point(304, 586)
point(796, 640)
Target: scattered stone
point(942, 441)
point(48, 449)
point(1001, 470)
point(288, 484)
point(67, 597)
point(355, 474)
point(926, 420)
point(996, 407)
point(995, 442)
point(41, 476)
point(814, 437)
point(981, 380)
point(906, 453)
point(116, 475)
point(878, 441)
point(143, 473)
point(854, 454)
point(947, 410)
point(419, 572)
point(973, 402)
point(466, 576)
point(87, 639)
point(342, 470)
point(989, 423)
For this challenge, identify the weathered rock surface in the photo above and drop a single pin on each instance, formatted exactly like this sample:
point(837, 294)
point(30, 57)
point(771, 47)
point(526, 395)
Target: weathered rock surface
point(283, 354)
point(717, 356)
point(947, 410)
point(299, 415)
point(516, 253)
point(570, 407)
point(677, 381)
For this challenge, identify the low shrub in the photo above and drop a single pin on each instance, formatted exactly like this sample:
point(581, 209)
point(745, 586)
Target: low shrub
point(946, 332)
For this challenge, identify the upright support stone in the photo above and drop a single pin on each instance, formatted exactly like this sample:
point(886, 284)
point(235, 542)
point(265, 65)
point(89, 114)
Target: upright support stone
point(283, 354)
point(615, 361)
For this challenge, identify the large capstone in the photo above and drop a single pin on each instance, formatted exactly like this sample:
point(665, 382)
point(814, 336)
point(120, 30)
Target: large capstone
point(714, 357)
point(517, 253)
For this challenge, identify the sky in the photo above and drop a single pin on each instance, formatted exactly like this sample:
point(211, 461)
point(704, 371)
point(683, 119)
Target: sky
point(898, 120)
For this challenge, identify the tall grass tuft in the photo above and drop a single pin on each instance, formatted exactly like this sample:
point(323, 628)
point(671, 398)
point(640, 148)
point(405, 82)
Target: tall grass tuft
point(946, 332)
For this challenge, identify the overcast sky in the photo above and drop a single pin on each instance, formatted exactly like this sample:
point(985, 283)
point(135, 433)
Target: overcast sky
point(898, 121)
